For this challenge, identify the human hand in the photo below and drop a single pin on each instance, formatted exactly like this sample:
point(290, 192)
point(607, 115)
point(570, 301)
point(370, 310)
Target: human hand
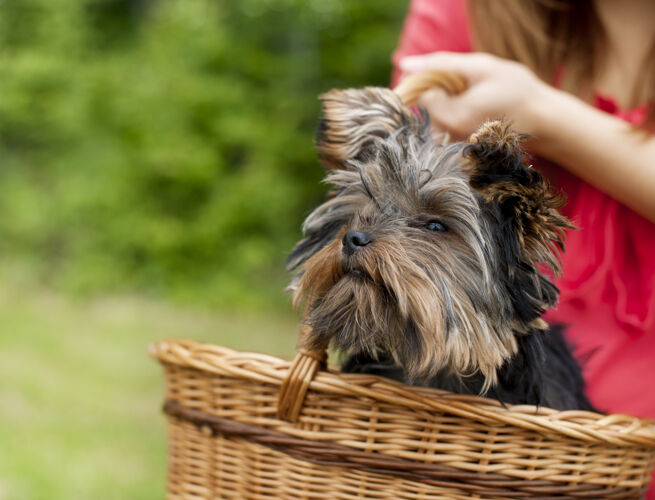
point(497, 88)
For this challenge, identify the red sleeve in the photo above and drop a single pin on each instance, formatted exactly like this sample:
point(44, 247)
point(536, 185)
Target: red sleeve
point(430, 26)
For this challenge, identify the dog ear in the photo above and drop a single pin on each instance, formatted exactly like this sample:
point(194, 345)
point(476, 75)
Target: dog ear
point(500, 172)
point(353, 119)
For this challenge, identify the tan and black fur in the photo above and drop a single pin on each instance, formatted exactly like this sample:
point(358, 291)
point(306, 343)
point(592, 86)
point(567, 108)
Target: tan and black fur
point(422, 264)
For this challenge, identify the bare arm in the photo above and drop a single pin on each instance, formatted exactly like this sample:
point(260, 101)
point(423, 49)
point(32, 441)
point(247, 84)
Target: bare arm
point(599, 148)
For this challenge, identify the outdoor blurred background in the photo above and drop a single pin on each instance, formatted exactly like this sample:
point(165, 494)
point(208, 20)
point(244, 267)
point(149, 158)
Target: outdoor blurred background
point(156, 162)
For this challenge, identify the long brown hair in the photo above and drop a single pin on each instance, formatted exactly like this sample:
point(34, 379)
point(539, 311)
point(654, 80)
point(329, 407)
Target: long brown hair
point(550, 35)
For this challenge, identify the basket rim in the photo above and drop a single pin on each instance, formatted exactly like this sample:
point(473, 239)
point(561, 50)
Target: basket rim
point(617, 429)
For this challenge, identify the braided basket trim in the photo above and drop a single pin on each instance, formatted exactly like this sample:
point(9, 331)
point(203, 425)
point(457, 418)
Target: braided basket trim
point(616, 429)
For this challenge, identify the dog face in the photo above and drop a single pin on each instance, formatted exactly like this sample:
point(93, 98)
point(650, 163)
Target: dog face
point(427, 253)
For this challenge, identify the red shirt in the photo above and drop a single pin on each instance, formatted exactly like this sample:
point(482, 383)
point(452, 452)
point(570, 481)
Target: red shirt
point(608, 270)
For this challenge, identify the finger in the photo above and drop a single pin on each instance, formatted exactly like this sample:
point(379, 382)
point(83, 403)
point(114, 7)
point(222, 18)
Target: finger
point(447, 113)
point(473, 66)
point(432, 100)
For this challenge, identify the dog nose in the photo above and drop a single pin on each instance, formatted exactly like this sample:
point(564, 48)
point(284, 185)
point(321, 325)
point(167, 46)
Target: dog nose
point(355, 240)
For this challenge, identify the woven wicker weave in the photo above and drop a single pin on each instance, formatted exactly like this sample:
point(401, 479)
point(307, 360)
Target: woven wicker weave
point(362, 436)
point(250, 426)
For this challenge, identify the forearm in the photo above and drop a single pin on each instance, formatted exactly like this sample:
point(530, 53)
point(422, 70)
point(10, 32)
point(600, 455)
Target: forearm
point(597, 147)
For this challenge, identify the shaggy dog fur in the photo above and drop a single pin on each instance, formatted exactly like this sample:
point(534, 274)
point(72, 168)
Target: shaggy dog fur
point(424, 263)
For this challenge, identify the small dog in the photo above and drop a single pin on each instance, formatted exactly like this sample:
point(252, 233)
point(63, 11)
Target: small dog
point(423, 263)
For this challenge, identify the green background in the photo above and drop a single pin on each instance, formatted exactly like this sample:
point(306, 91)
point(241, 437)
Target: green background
point(156, 162)
point(166, 147)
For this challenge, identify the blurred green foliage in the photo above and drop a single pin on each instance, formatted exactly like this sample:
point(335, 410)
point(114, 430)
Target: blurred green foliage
point(166, 146)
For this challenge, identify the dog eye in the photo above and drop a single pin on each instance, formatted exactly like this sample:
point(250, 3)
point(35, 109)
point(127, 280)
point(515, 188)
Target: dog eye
point(435, 226)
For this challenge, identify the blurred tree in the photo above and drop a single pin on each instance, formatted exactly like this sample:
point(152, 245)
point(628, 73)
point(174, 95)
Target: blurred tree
point(166, 146)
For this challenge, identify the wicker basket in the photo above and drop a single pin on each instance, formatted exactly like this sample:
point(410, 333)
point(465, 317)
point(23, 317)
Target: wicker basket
point(348, 436)
point(250, 426)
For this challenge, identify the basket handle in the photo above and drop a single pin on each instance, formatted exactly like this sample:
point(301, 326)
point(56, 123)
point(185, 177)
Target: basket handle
point(307, 362)
point(301, 372)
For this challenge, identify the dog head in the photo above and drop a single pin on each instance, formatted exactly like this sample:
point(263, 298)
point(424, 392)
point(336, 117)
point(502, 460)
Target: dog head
point(427, 253)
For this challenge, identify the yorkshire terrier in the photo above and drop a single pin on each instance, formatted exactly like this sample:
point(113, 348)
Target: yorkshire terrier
point(426, 262)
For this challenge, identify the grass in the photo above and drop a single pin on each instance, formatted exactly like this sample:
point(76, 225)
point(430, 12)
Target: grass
point(80, 400)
